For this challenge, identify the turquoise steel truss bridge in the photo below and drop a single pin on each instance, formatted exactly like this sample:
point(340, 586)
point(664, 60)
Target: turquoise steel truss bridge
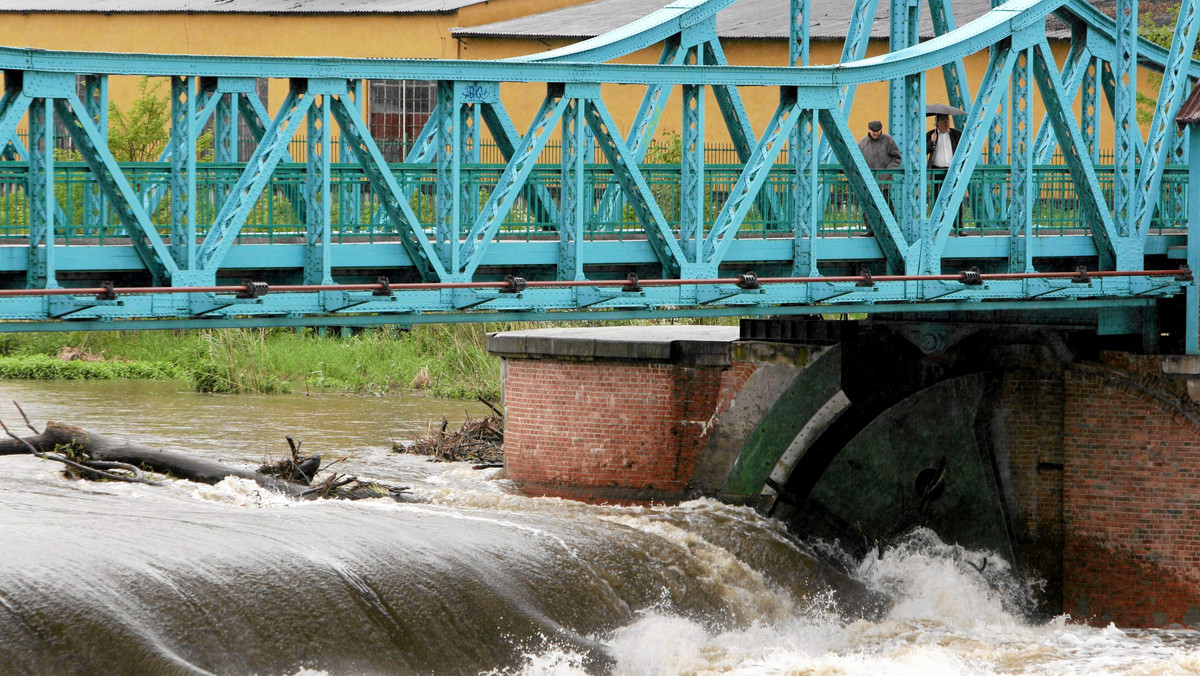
point(798, 224)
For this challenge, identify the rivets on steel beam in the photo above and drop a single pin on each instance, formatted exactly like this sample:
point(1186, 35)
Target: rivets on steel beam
point(385, 287)
point(515, 284)
point(253, 289)
point(748, 280)
point(632, 285)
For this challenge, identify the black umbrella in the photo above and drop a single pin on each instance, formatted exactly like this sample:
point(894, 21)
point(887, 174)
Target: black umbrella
point(942, 109)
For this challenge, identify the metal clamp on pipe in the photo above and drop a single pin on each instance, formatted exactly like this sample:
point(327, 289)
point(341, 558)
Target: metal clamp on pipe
point(1083, 277)
point(632, 285)
point(385, 287)
point(109, 292)
point(866, 279)
point(970, 277)
point(1184, 275)
point(253, 289)
point(515, 284)
point(748, 280)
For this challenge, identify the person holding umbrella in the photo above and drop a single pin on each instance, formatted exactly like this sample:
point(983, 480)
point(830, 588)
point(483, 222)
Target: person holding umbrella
point(940, 144)
point(941, 141)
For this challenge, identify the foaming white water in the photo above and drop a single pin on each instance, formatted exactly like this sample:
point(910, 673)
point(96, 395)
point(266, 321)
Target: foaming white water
point(948, 619)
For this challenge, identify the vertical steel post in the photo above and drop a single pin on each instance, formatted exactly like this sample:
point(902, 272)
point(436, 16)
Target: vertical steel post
point(996, 198)
point(449, 175)
point(1021, 154)
point(691, 170)
point(913, 206)
point(574, 202)
point(317, 194)
point(470, 124)
point(1193, 245)
point(40, 189)
point(95, 98)
point(904, 24)
point(1090, 119)
point(350, 193)
point(225, 129)
point(183, 173)
point(798, 33)
point(1125, 117)
point(807, 218)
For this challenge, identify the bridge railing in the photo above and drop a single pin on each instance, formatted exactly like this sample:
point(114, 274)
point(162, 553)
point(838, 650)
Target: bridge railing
point(276, 216)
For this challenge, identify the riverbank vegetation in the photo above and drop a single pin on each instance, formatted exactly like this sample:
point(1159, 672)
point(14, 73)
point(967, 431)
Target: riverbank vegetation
point(445, 360)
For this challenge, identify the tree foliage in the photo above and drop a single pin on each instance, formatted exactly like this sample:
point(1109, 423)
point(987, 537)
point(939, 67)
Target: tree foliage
point(140, 133)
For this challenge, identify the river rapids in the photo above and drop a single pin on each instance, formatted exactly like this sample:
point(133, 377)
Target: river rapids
point(472, 578)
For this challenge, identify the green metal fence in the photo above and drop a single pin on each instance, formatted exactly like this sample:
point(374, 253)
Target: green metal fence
point(279, 213)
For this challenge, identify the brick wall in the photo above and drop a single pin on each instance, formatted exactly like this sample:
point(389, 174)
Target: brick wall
point(1027, 443)
point(1131, 495)
point(609, 430)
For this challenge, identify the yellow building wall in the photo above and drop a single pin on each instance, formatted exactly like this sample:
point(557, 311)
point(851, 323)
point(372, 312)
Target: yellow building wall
point(418, 36)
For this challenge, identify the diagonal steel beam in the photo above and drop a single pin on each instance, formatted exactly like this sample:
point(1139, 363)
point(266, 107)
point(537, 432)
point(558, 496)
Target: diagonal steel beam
point(966, 156)
point(1112, 249)
point(751, 179)
point(876, 210)
point(120, 194)
point(508, 187)
point(392, 197)
point(12, 107)
point(637, 191)
point(1170, 98)
point(1073, 74)
point(254, 178)
point(504, 133)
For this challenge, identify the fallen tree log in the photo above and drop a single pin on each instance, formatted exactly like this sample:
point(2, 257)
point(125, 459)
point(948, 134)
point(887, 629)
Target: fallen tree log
point(73, 442)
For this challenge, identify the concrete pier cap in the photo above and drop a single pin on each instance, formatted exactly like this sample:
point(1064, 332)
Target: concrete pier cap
point(695, 345)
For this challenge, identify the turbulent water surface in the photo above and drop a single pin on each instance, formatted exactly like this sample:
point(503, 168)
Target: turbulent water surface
point(118, 578)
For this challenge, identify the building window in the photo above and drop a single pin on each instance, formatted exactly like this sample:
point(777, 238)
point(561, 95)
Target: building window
point(399, 110)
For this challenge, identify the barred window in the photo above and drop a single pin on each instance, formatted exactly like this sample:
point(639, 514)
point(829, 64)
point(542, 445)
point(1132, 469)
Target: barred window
point(399, 110)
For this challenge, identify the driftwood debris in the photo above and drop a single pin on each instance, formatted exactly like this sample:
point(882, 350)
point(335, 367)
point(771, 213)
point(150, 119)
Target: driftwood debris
point(92, 456)
point(477, 441)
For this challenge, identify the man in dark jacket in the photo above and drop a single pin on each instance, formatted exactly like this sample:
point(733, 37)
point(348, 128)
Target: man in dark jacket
point(881, 152)
point(940, 143)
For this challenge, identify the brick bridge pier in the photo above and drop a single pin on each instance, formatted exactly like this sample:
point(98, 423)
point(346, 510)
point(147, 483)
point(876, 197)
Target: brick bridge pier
point(1074, 456)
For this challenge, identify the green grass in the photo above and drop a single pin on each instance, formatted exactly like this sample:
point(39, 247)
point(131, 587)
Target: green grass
point(45, 367)
point(447, 360)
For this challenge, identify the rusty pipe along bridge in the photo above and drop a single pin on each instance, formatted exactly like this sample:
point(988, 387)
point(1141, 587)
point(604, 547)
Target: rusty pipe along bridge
point(797, 225)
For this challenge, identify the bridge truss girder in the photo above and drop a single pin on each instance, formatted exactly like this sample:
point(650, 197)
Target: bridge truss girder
point(443, 261)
